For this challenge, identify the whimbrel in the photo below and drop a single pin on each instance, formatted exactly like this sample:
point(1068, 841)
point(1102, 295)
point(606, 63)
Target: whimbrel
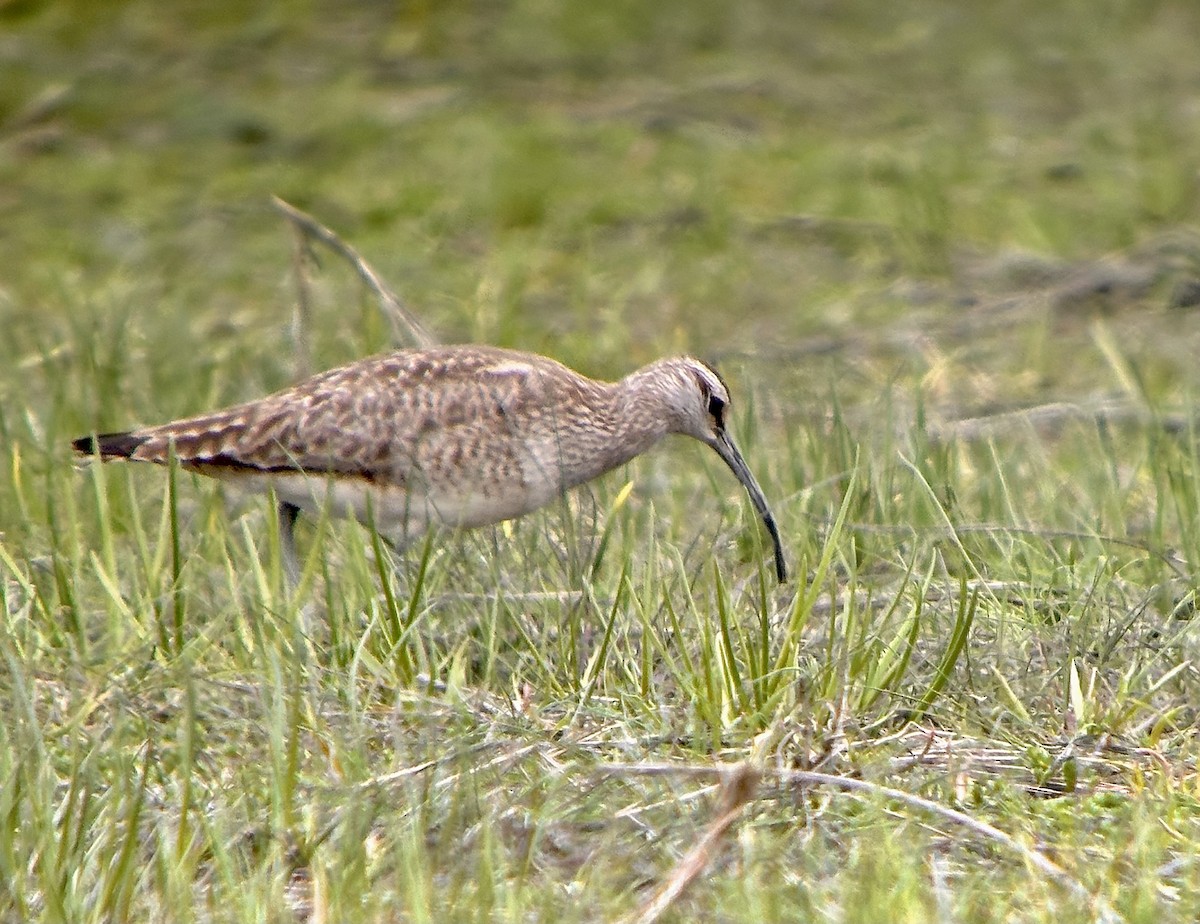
point(462, 436)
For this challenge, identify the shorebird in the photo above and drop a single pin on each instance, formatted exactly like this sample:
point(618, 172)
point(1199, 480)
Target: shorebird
point(460, 436)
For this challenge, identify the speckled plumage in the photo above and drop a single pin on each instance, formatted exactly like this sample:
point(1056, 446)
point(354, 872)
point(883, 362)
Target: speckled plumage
point(461, 435)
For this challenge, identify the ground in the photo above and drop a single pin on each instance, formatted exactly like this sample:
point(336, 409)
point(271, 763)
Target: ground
point(947, 256)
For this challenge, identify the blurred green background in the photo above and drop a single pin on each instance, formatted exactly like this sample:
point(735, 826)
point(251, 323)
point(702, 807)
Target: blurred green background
point(608, 179)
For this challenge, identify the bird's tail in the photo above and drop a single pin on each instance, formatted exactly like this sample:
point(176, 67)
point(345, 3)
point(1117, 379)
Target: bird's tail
point(109, 445)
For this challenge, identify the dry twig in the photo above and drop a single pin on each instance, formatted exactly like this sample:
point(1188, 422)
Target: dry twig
point(302, 313)
point(1033, 857)
point(398, 316)
point(1053, 414)
point(738, 789)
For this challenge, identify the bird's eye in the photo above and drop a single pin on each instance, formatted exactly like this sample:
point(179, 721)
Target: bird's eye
point(716, 408)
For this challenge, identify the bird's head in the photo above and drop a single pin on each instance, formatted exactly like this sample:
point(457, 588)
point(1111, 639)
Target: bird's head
point(697, 401)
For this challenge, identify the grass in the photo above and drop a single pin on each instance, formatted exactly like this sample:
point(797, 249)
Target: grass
point(943, 255)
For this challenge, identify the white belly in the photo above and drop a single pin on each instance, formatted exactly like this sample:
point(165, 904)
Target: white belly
point(395, 512)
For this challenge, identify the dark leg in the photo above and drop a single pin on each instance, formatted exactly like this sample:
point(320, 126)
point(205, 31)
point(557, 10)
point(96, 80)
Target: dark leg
point(287, 514)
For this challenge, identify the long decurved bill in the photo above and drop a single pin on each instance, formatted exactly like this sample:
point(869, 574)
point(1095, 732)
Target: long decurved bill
point(723, 443)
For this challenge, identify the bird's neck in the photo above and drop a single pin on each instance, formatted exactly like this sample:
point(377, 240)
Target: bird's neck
point(640, 417)
point(623, 420)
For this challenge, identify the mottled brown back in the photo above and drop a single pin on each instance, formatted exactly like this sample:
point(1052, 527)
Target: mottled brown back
point(366, 418)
